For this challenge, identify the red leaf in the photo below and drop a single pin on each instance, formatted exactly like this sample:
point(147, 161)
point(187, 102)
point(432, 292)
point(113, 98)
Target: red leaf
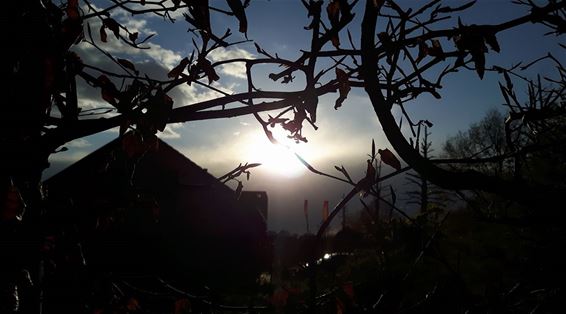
point(12, 204)
point(390, 159)
point(349, 290)
point(436, 49)
point(103, 36)
point(182, 306)
point(108, 90)
point(333, 11)
point(423, 51)
point(132, 304)
point(73, 9)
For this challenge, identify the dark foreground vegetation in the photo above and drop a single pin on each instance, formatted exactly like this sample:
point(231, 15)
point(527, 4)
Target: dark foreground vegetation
point(488, 234)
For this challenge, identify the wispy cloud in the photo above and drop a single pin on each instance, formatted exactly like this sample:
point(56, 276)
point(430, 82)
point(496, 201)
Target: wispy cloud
point(78, 143)
point(236, 69)
point(171, 131)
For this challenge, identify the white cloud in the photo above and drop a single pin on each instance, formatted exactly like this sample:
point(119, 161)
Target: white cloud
point(78, 143)
point(236, 69)
point(171, 131)
point(167, 58)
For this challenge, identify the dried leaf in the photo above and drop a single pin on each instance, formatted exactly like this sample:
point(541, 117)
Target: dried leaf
point(343, 87)
point(239, 189)
point(372, 149)
point(423, 51)
point(176, 71)
point(132, 145)
point(238, 10)
point(491, 40)
point(160, 110)
point(479, 62)
point(13, 206)
point(310, 104)
point(389, 158)
point(109, 91)
point(200, 13)
point(206, 66)
point(72, 9)
point(112, 25)
point(436, 49)
point(504, 94)
point(133, 36)
point(460, 8)
point(103, 36)
point(333, 11)
point(182, 306)
point(367, 182)
point(132, 304)
point(508, 81)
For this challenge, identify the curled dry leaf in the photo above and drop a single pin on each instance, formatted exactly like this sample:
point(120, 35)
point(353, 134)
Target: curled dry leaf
point(238, 9)
point(333, 11)
point(491, 40)
point(133, 36)
point(112, 25)
point(72, 10)
point(206, 66)
point(182, 306)
point(389, 158)
point(176, 71)
point(343, 87)
point(200, 13)
point(436, 49)
point(239, 189)
point(423, 51)
point(367, 182)
point(103, 36)
point(109, 92)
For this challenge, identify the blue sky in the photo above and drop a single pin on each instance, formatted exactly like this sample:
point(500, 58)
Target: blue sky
point(344, 136)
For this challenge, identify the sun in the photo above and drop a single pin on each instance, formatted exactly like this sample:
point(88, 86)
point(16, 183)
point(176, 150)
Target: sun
point(276, 159)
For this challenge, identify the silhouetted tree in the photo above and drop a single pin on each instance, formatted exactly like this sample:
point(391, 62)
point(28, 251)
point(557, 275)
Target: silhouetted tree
point(428, 197)
point(410, 58)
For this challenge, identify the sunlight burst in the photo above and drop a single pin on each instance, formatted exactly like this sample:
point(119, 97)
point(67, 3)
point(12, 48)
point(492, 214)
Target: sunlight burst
point(277, 159)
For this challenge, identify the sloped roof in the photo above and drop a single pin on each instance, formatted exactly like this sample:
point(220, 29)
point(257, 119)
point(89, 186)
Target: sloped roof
point(167, 158)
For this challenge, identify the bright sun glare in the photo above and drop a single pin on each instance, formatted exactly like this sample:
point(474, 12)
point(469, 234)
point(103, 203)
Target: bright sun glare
point(277, 159)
